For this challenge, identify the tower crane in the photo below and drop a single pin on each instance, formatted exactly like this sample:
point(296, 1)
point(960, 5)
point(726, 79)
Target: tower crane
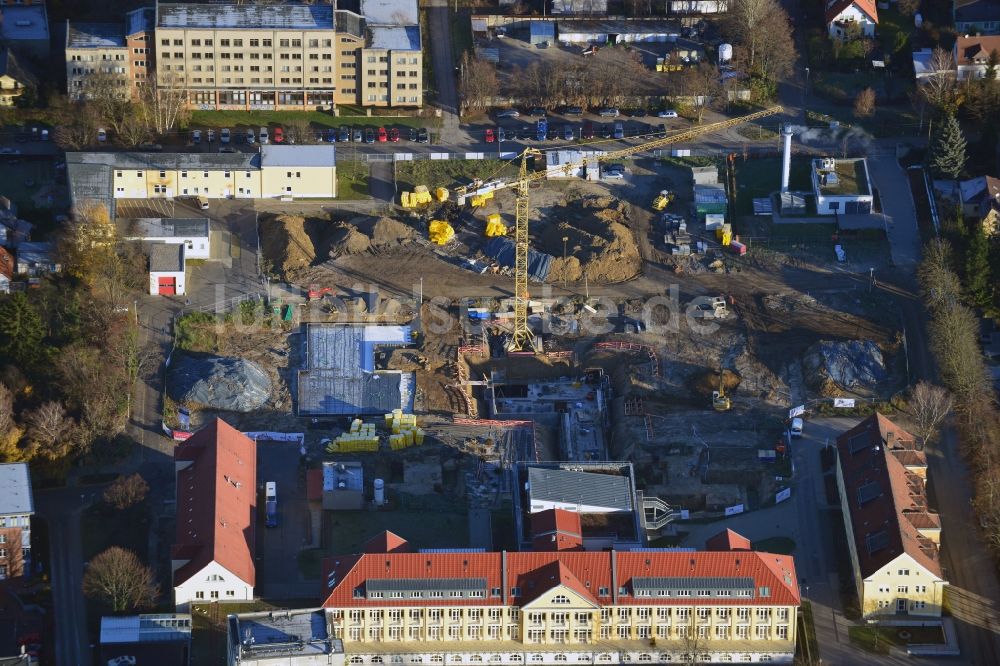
point(521, 334)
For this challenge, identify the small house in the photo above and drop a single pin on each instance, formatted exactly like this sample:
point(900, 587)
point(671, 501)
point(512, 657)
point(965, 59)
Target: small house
point(841, 186)
point(166, 269)
point(972, 56)
point(35, 259)
point(977, 17)
point(14, 79)
point(843, 16)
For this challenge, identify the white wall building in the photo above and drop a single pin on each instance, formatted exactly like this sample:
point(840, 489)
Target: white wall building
point(167, 269)
point(192, 233)
point(842, 187)
point(841, 15)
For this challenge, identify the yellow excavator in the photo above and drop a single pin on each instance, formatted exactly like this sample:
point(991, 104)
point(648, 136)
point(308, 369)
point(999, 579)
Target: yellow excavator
point(720, 401)
point(521, 334)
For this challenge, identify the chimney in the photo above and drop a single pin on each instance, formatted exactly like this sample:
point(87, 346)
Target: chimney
point(786, 157)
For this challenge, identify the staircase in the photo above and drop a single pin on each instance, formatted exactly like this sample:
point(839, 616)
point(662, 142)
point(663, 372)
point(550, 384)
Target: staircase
point(656, 513)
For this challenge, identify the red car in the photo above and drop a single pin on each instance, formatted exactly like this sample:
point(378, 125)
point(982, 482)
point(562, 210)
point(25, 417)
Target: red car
point(382, 136)
point(490, 136)
point(394, 135)
point(279, 135)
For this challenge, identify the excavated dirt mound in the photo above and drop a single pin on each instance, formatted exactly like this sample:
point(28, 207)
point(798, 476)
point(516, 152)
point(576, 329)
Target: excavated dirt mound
point(346, 239)
point(703, 384)
point(599, 246)
point(387, 231)
point(285, 244)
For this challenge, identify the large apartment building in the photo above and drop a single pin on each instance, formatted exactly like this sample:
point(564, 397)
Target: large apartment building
point(290, 56)
point(121, 51)
point(601, 607)
point(16, 508)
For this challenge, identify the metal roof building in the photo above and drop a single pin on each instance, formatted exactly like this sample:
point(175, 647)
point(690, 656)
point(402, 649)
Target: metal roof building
point(15, 497)
point(156, 639)
point(395, 38)
point(598, 31)
point(172, 227)
point(247, 16)
point(94, 35)
point(586, 492)
point(299, 156)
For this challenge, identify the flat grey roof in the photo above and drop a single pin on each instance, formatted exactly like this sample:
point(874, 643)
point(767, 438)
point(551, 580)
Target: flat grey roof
point(166, 257)
point(299, 156)
point(26, 23)
point(173, 227)
point(390, 12)
point(152, 160)
point(148, 627)
point(89, 183)
point(15, 497)
point(94, 35)
point(258, 17)
point(282, 635)
point(593, 488)
point(397, 38)
point(606, 27)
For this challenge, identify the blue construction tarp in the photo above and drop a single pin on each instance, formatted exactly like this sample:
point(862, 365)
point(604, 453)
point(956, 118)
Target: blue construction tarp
point(501, 250)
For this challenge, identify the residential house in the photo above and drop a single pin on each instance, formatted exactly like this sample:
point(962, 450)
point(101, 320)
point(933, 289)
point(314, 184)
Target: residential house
point(972, 56)
point(14, 79)
point(291, 56)
point(843, 17)
point(35, 260)
point(893, 535)
point(977, 17)
point(17, 505)
point(7, 269)
point(979, 195)
point(562, 607)
point(212, 558)
point(25, 28)
point(153, 639)
point(95, 54)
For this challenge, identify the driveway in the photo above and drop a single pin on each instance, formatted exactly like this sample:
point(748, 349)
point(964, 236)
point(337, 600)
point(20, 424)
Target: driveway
point(439, 25)
point(897, 203)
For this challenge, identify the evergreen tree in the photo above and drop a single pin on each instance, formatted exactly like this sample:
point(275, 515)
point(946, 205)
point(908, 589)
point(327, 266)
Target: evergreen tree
point(947, 152)
point(977, 268)
point(21, 331)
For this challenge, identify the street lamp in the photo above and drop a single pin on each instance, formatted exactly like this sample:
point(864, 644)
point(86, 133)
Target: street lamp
point(565, 240)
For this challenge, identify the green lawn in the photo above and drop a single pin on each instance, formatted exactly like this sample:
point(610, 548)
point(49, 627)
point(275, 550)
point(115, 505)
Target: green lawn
point(352, 181)
point(449, 173)
point(880, 639)
point(779, 545)
point(349, 530)
point(316, 119)
point(758, 178)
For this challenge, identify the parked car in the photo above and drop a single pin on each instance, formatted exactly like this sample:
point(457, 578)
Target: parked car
point(345, 134)
point(609, 112)
point(251, 137)
point(508, 113)
point(202, 201)
point(667, 113)
point(195, 136)
point(537, 111)
point(588, 130)
point(423, 136)
point(619, 131)
point(369, 135)
point(613, 172)
point(225, 136)
point(383, 136)
point(331, 135)
point(796, 429)
point(541, 129)
point(573, 111)
point(227, 149)
point(413, 134)
point(394, 135)
point(552, 134)
point(45, 134)
point(263, 136)
point(568, 133)
point(279, 135)
point(102, 135)
point(211, 135)
point(501, 134)
point(606, 131)
point(358, 135)
point(490, 136)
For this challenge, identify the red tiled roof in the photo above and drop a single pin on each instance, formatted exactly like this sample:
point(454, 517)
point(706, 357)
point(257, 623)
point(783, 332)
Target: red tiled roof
point(970, 49)
point(728, 540)
point(835, 7)
point(387, 542)
point(216, 502)
point(6, 263)
point(891, 491)
point(556, 529)
point(314, 485)
point(596, 575)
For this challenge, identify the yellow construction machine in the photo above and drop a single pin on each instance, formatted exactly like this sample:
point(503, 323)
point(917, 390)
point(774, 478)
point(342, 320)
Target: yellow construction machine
point(663, 199)
point(720, 401)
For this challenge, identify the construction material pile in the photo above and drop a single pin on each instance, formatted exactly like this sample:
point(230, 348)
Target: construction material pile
point(363, 437)
point(285, 244)
point(494, 226)
point(501, 250)
point(854, 365)
point(440, 232)
point(345, 239)
point(404, 430)
point(365, 234)
point(218, 382)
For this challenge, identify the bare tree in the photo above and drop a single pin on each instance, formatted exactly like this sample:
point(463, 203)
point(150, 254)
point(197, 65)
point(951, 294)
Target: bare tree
point(930, 404)
point(745, 21)
point(6, 409)
point(163, 102)
point(940, 88)
point(479, 83)
point(108, 94)
point(864, 103)
point(133, 129)
point(79, 129)
point(120, 579)
point(49, 429)
point(701, 86)
point(126, 491)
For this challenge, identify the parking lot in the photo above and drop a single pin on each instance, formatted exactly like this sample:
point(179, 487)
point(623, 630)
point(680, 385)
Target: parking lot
point(278, 547)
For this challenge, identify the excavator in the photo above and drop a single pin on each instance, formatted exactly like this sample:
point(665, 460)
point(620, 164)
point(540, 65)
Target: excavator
point(521, 335)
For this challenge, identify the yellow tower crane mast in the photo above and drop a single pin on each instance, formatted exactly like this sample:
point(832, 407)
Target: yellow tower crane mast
point(521, 334)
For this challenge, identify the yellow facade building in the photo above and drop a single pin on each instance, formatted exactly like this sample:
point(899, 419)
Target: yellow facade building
point(893, 535)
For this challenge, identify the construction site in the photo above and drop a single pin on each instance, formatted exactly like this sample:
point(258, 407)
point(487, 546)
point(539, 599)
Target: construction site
point(529, 318)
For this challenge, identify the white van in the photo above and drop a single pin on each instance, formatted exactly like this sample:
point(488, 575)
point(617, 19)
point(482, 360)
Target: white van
point(263, 136)
point(202, 201)
point(796, 429)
